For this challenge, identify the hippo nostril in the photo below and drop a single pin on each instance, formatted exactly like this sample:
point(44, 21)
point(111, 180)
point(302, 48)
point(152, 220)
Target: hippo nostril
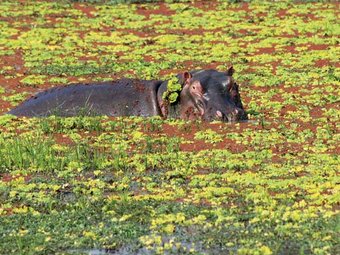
point(219, 114)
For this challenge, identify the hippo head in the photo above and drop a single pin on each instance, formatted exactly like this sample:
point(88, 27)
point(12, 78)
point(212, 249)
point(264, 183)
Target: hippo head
point(208, 95)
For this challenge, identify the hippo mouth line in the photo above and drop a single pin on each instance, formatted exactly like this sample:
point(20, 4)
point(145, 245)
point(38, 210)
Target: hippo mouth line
point(235, 115)
point(231, 116)
point(201, 106)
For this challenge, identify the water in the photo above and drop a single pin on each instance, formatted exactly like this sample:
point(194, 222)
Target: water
point(94, 252)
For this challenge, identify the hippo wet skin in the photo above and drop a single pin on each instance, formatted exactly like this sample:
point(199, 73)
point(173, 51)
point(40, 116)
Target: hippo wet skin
point(125, 97)
point(205, 94)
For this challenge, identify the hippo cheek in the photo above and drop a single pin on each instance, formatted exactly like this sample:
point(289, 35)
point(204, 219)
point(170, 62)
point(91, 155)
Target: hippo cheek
point(195, 95)
point(191, 112)
point(193, 108)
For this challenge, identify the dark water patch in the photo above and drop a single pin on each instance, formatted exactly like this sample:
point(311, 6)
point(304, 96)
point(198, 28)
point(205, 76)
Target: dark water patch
point(249, 121)
point(92, 252)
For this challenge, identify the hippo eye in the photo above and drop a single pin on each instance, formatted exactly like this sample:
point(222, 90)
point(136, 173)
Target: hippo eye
point(193, 87)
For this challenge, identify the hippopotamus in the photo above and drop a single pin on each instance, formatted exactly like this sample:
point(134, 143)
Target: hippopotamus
point(204, 94)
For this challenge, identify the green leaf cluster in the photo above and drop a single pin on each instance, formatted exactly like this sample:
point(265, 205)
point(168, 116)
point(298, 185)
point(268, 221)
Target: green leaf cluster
point(174, 88)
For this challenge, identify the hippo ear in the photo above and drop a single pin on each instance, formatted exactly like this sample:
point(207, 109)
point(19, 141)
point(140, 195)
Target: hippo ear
point(187, 76)
point(230, 71)
point(184, 78)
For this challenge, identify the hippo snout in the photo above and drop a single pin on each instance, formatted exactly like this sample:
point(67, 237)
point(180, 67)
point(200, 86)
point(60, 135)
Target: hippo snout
point(230, 116)
point(238, 114)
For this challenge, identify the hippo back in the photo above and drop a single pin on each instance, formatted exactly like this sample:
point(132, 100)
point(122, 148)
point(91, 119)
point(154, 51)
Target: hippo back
point(125, 97)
